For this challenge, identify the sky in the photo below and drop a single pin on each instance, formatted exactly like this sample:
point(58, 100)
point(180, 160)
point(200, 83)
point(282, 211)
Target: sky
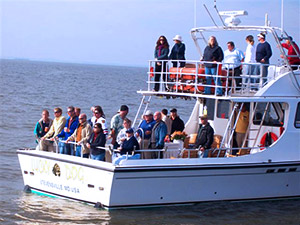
point(121, 32)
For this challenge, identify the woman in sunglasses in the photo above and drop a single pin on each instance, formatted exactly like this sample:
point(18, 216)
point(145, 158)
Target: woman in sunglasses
point(96, 140)
point(161, 53)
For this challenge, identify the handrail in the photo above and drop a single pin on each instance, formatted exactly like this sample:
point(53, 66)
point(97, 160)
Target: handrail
point(192, 78)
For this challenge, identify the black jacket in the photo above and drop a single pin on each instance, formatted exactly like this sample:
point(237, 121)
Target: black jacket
point(177, 125)
point(128, 145)
point(205, 136)
point(99, 142)
point(212, 54)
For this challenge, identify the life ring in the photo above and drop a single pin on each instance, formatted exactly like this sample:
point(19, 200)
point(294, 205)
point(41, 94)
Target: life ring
point(151, 71)
point(267, 139)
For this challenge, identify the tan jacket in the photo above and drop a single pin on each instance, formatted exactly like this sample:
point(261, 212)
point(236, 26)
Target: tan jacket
point(56, 127)
point(86, 133)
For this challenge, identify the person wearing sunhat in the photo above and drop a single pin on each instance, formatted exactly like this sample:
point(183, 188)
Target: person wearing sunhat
point(293, 49)
point(178, 51)
point(116, 123)
point(263, 55)
point(145, 128)
point(205, 136)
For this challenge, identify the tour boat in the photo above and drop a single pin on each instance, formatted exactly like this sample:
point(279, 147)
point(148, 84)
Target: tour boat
point(267, 166)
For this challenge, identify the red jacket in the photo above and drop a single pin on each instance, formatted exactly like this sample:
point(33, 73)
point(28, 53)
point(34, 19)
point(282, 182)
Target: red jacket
point(291, 51)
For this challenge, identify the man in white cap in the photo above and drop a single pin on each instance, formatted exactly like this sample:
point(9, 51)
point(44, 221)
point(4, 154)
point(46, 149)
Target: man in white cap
point(145, 128)
point(263, 54)
point(178, 52)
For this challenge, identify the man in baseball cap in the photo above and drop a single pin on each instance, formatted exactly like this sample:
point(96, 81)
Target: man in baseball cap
point(116, 123)
point(145, 129)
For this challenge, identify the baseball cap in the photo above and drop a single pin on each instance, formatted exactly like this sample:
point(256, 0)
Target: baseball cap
point(130, 130)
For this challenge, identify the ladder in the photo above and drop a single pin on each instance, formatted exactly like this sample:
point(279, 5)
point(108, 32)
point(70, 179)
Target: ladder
point(229, 131)
point(247, 138)
point(144, 103)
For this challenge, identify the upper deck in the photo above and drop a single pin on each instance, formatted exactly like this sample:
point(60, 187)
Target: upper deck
point(192, 81)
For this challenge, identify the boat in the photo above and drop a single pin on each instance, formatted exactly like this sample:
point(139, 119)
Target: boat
point(267, 166)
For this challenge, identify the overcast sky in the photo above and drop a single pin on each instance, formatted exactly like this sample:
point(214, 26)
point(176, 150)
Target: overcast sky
point(120, 32)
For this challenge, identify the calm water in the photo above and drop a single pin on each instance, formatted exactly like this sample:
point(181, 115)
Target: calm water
point(27, 87)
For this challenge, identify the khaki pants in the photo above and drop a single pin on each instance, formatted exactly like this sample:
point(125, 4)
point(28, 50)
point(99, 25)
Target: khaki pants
point(145, 145)
point(239, 139)
point(48, 146)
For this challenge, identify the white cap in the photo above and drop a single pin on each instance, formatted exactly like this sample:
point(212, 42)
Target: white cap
point(148, 113)
point(261, 35)
point(177, 38)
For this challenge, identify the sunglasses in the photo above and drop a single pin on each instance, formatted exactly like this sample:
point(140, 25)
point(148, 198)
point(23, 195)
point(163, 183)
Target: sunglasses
point(81, 118)
point(56, 112)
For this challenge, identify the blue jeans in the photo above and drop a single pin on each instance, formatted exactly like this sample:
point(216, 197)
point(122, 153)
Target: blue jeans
point(264, 72)
point(204, 154)
point(61, 147)
point(67, 149)
point(78, 152)
point(212, 71)
point(99, 157)
point(250, 70)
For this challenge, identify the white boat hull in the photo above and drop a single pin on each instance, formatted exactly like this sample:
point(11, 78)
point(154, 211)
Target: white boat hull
point(105, 185)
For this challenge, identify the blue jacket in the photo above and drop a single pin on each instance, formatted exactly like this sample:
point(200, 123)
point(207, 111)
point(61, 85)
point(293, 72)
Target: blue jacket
point(146, 127)
point(160, 134)
point(72, 128)
point(178, 52)
point(163, 55)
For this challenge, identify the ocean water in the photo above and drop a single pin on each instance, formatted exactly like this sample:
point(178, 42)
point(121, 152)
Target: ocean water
point(27, 87)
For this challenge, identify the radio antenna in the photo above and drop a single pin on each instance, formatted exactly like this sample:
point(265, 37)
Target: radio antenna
point(215, 6)
point(210, 15)
point(282, 18)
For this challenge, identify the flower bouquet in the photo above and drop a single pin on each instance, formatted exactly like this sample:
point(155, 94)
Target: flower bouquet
point(178, 135)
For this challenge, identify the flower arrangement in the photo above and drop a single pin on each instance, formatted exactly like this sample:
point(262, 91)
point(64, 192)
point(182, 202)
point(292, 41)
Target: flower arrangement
point(178, 135)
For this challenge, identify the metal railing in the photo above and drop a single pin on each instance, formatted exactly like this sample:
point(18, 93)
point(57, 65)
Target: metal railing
point(193, 79)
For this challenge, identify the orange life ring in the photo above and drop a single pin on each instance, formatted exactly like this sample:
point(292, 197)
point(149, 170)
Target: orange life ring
point(264, 141)
point(151, 71)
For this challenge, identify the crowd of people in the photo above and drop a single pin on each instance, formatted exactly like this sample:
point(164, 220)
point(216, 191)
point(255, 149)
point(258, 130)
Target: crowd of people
point(78, 136)
point(232, 58)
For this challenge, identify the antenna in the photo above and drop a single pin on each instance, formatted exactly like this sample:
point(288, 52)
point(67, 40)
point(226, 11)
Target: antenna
point(266, 19)
point(210, 15)
point(215, 6)
point(282, 18)
point(195, 13)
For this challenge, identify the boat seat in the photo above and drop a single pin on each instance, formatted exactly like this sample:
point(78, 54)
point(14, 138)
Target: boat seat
point(193, 153)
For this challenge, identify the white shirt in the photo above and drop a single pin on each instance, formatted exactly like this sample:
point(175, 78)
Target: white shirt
point(102, 121)
point(250, 54)
point(233, 57)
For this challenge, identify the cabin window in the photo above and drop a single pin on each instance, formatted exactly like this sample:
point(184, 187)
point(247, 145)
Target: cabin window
point(297, 119)
point(223, 109)
point(274, 114)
